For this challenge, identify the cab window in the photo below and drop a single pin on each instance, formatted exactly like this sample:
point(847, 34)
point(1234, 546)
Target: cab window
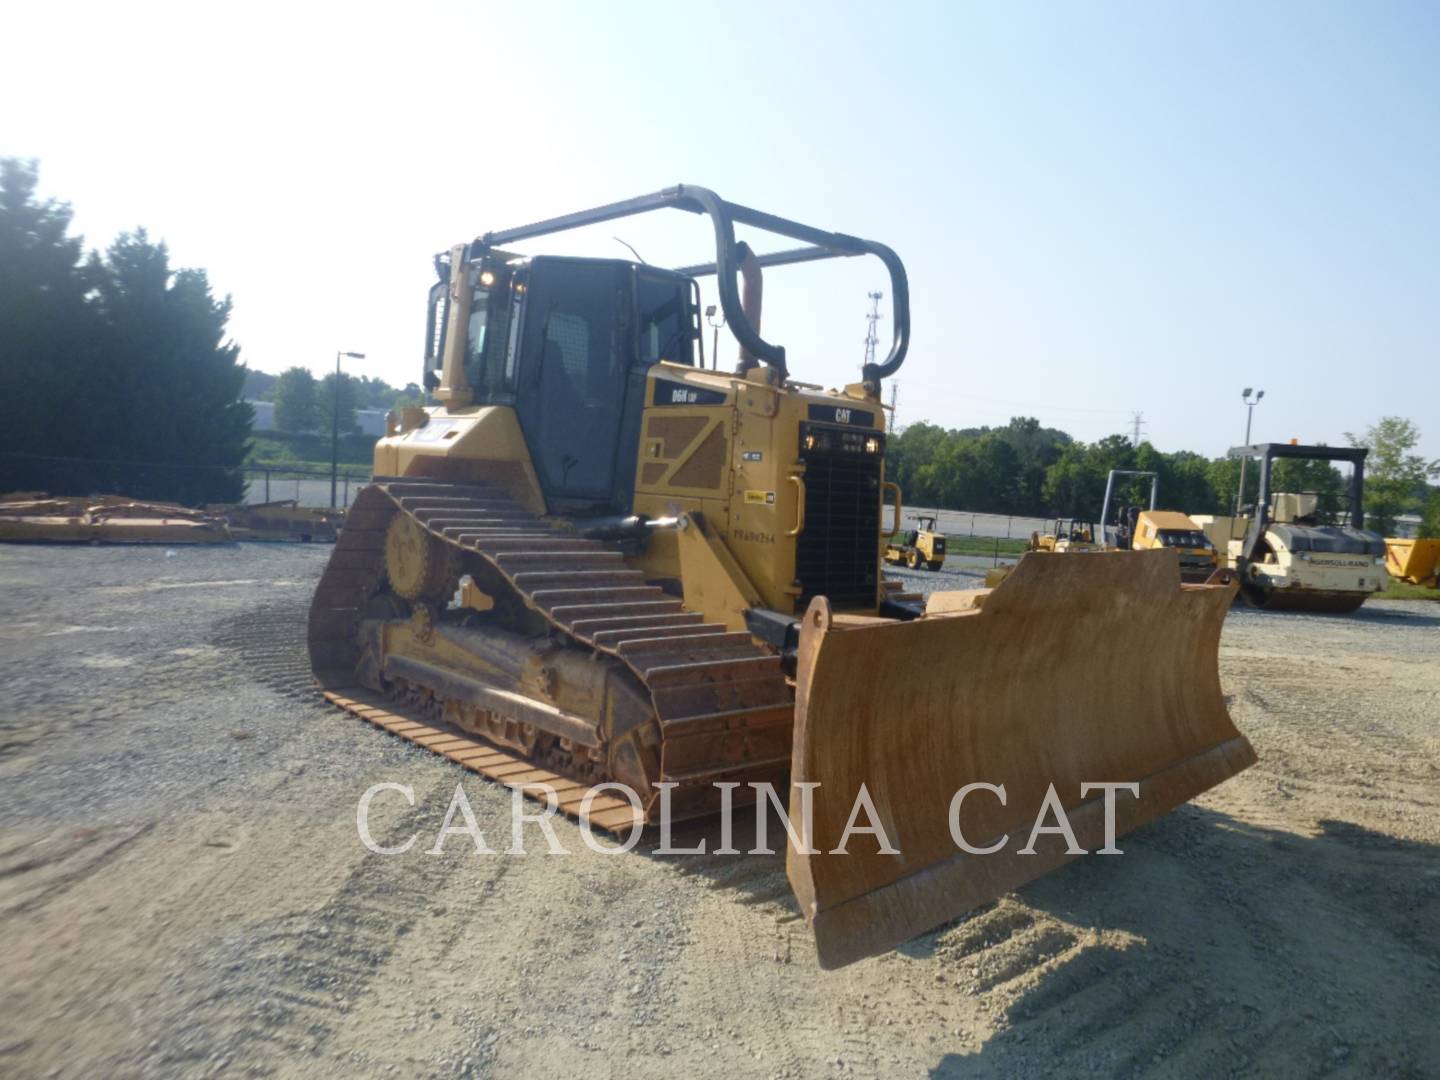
point(665, 331)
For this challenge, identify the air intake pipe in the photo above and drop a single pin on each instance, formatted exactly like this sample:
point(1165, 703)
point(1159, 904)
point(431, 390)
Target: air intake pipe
point(752, 296)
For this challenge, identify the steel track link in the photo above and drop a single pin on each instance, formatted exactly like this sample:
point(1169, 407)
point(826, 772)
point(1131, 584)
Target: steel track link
point(723, 705)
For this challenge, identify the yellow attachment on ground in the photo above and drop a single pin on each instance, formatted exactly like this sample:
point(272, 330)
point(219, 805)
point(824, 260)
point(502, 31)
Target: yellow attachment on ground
point(106, 519)
point(1074, 671)
point(1415, 561)
point(284, 519)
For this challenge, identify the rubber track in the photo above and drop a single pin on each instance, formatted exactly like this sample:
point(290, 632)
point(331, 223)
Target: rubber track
point(724, 706)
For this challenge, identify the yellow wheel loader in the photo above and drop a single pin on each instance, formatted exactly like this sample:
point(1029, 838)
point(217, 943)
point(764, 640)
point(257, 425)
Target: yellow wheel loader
point(599, 560)
point(921, 546)
point(1285, 557)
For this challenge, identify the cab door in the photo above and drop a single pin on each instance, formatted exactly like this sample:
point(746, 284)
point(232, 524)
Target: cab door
point(575, 350)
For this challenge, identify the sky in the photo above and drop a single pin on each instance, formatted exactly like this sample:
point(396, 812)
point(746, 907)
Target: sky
point(1103, 208)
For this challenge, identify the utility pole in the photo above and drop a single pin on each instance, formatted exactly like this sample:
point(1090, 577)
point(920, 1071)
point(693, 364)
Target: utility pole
point(717, 324)
point(335, 424)
point(1249, 416)
point(894, 392)
point(1138, 420)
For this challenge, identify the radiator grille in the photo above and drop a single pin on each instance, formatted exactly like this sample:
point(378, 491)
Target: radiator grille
point(837, 554)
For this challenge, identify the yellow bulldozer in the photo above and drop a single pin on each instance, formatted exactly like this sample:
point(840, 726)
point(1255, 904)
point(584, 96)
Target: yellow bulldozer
point(600, 560)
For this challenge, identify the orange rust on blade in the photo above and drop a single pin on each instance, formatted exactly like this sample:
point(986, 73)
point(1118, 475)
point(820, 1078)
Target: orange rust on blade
point(1077, 669)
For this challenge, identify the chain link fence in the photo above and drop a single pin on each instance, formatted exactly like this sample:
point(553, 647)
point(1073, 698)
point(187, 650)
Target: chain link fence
point(190, 485)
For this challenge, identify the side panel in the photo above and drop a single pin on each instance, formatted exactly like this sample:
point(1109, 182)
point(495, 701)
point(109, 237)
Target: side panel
point(685, 448)
point(732, 448)
point(471, 445)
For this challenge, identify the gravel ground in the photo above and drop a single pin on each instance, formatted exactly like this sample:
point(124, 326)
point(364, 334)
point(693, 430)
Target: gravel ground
point(182, 889)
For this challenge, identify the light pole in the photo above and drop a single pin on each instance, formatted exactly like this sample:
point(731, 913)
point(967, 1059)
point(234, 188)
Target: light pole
point(1249, 416)
point(335, 424)
point(715, 348)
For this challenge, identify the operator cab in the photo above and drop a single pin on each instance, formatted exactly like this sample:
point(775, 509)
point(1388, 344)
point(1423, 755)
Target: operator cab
point(567, 343)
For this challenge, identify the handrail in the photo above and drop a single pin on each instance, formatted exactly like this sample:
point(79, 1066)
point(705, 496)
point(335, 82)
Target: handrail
point(799, 482)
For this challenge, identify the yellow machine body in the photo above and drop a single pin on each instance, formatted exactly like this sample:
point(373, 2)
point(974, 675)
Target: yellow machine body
point(1157, 529)
point(920, 547)
point(1067, 535)
point(1283, 578)
point(106, 519)
point(731, 460)
point(1414, 561)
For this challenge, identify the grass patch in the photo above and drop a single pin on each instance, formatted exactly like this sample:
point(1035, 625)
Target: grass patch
point(983, 545)
point(975, 545)
point(276, 450)
point(1403, 590)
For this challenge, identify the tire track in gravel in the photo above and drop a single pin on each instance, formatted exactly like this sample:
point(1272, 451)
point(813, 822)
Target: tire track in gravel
point(274, 993)
point(269, 643)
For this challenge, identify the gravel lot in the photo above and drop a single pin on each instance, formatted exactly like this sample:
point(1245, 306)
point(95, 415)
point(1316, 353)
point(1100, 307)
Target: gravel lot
point(182, 889)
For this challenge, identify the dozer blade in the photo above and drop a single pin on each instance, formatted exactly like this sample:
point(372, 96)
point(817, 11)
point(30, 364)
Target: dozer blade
point(1078, 668)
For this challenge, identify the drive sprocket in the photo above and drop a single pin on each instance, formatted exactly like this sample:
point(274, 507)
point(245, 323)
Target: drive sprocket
point(417, 564)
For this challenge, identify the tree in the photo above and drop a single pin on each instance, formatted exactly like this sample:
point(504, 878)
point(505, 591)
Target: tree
point(47, 332)
point(325, 402)
point(174, 383)
point(1430, 520)
point(115, 360)
point(1394, 475)
point(296, 404)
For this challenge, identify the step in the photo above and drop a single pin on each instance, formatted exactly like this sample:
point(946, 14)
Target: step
point(682, 618)
point(599, 594)
point(613, 639)
point(572, 613)
point(722, 671)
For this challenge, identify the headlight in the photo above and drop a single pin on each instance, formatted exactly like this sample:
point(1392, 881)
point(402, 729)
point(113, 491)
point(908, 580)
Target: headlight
point(872, 445)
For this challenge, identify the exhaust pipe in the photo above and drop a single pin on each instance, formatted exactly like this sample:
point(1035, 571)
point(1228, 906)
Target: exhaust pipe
point(752, 290)
point(454, 390)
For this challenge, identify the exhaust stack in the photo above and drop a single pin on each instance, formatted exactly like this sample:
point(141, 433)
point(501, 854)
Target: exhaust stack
point(752, 295)
point(454, 389)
